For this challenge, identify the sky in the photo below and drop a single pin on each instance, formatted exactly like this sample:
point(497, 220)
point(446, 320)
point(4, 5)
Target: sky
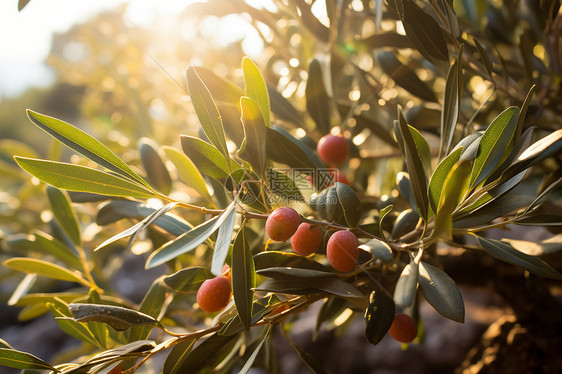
point(25, 37)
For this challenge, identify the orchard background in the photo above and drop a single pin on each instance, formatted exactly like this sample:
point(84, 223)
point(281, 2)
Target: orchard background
point(189, 209)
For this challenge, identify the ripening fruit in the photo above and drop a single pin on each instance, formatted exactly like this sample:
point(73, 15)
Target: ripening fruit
point(282, 224)
point(342, 250)
point(307, 239)
point(333, 149)
point(404, 328)
point(214, 294)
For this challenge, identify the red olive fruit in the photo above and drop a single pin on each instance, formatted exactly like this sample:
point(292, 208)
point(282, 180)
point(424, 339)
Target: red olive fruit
point(214, 294)
point(307, 239)
point(404, 328)
point(226, 272)
point(333, 149)
point(342, 250)
point(282, 224)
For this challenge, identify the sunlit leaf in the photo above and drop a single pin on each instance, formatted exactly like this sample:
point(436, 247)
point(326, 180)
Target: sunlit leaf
point(222, 245)
point(187, 171)
point(454, 188)
point(46, 269)
point(205, 156)
point(207, 112)
point(84, 144)
point(152, 304)
point(22, 289)
point(22, 360)
point(254, 131)
point(378, 249)
point(441, 292)
point(494, 144)
point(62, 315)
point(256, 89)
point(80, 178)
point(60, 204)
point(439, 175)
point(189, 240)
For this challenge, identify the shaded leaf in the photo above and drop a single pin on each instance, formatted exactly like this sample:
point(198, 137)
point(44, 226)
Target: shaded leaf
point(189, 240)
point(269, 259)
point(317, 100)
point(256, 89)
point(284, 148)
point(254, 131)
point(291, 273)
point(45, 243)
point(64, 320)
point(207, 112)
point(404, 76)
point(84, 144)
point(254, 354)
point(79, 178)
point(243, 278)
point(424, 32)
point(208, 158)
point(383, 213)
point(407, 284)
point(507, 253)
point(153, 304)
point(22, 360)
point(549, 245)
point(485, 58)
point(378, 316)
point(206, 356)
point(416, 171)
point(175, 360)
point(386, 39)
point(156, 170)
point(64, 214)
point(119, 318)
point(494, 144)
point(441, 292)
point(378, 249)
point(46, 269)
point(188, 279)
point(282, 107)
point(451, 104)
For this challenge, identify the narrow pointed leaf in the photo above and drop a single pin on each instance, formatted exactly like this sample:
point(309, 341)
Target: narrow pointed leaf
point(207, 112)
point(188, 241)
point(22, 360)
point(84, 144)
point(284, 148)
point(152, 304)
point(22, 289)
point(135, 230)
point(438, 177)
point(454, 188)
point(254, 130)
point(451, 104)
point(175, 360)
point(441, 292)
point(407, 285)
point(79, 178)
point(378, 249)
point(256, 89)
point(60, 204)
point(507, 253)
point(156, 170)
point(222, 245)
point(187, 171)
point(205, 156)
point(45, 243)
point(119, 318)
point(523, 113)
point(243, 278)
point(494, 144)
point(423, 149)
point(246, 368)
point(378, 315)
point(188, 279)
point(62, 315)
point(416, 171)
point(485, 58)
point(317, 100)
point(46, 269)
